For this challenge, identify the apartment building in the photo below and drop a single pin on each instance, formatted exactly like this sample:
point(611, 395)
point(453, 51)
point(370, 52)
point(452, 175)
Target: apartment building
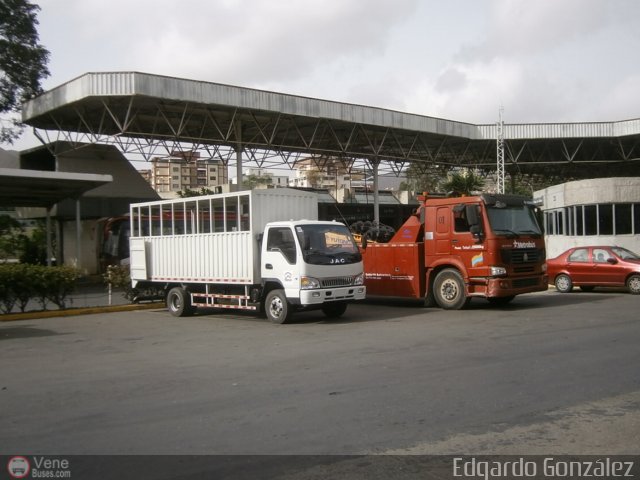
point(184, 170)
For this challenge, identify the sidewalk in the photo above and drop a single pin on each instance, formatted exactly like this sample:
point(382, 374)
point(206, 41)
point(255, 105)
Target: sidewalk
point(88, 295)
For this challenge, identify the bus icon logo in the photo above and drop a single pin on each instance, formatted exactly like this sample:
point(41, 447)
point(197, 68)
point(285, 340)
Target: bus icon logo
point(18, 467)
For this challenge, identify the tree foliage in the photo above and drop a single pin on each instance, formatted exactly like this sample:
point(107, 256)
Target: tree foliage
point(23, 62)
point(254, 181)
point(424, 178)
point(187, 192)
point(465, 182)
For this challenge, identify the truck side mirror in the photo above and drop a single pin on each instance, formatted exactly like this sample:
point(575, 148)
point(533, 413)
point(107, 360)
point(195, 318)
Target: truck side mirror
point(473, 219)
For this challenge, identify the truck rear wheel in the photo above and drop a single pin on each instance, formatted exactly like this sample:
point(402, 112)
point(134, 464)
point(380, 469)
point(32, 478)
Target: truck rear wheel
point(449, 291)
point(334, 309)
point(277, 308)
point(179, 302)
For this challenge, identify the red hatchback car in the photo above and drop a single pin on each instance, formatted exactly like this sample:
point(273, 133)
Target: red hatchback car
point(596, 266)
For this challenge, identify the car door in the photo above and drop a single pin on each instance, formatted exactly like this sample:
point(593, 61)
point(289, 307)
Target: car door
point(579, 266)
point(604, 272)
point(280, 257)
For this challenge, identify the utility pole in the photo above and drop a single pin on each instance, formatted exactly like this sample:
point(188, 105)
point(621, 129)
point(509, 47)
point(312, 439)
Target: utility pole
point(500, 151)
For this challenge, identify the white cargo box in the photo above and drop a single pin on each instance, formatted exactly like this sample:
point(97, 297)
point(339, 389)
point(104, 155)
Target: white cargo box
point(210, 239)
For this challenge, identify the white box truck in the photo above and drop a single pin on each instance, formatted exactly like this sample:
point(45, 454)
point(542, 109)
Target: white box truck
point(260, 250)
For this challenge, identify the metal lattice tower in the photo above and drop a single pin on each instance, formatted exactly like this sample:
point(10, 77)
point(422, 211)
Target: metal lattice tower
point(500, 152)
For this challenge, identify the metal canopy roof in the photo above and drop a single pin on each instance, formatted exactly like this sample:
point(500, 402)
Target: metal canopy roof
point(36, 188)
point(152, 116)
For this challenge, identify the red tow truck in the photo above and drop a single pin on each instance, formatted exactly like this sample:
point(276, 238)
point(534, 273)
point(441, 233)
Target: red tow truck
point(455, 248)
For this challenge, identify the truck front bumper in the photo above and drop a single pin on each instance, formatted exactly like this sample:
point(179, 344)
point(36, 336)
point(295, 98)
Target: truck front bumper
point(323, 295)
point(507, 286)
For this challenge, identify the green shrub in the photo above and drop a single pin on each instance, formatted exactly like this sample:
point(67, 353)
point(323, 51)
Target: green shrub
point(21, 283)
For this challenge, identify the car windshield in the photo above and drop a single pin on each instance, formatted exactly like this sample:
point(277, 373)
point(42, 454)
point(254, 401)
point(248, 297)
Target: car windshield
point(513, 221)
point(625, 254)
point(327, 244)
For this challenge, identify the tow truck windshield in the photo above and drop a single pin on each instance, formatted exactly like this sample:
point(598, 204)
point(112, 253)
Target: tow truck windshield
point(513, 221)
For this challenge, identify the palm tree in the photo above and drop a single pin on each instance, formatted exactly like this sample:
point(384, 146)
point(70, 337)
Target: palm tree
point(464, 182)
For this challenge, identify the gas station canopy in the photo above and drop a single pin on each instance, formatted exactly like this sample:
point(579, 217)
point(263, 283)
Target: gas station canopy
point(152, 115)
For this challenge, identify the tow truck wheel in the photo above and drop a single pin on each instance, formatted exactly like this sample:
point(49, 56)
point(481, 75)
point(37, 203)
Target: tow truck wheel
point(277, 308)
point(179, 302)
point(449, 291)
point(563, 283)
point(334, 309)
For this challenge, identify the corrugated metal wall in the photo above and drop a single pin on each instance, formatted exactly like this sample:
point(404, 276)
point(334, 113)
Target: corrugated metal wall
point(213, 257)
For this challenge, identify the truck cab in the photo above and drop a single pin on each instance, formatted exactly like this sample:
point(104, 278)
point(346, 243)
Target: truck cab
point(456, 248)
point(307, 264)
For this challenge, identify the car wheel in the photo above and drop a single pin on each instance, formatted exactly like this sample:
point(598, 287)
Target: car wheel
point(633, 284)
point(449, 290)
point(564, 283)
point(277, 308)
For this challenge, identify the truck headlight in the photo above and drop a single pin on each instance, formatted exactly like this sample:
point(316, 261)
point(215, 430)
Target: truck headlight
point(544, 268)
point(498, 271)
point(309, 283)
point(358, 279)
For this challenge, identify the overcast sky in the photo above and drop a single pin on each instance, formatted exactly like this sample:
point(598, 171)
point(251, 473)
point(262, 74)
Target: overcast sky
point(542, 60)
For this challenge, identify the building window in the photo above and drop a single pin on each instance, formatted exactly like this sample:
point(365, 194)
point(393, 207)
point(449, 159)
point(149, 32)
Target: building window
point(579, 220)
point(590, 220)
point(623, 219)
point(605, 219)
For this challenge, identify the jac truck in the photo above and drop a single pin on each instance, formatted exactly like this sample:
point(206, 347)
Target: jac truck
point(456, 248)
point(261, 250)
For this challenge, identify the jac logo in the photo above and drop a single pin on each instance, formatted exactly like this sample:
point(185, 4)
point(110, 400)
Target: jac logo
point(337, 260)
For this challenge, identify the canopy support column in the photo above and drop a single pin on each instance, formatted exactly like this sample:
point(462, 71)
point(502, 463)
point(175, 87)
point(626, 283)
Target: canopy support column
point(49, 246)
point(376, 198)
point(78, 235)
point(239, 154)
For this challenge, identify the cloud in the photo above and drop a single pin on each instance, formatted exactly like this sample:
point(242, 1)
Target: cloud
point(243, 42)
point(545, 61)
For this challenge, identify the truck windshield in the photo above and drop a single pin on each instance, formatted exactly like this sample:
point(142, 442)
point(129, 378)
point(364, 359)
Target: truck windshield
point(327, 244)
point(513, 221)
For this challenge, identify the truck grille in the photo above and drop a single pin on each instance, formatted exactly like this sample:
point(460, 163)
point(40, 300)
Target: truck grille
point(336, 282)
point(520, 256)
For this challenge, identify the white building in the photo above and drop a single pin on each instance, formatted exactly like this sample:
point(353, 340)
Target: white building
point(602, 211)
point(274, 181)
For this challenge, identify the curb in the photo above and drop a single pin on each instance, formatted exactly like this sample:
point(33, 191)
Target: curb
point(69, 312)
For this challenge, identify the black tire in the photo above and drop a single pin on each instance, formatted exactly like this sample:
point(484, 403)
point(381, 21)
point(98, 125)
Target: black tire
point(633, 284)
point(276, 307)
point(587, 288)
point(449, 290)
point(334, 309)
point(563, 283)
point(429, 299)
point(500, 301)
point(179, 302)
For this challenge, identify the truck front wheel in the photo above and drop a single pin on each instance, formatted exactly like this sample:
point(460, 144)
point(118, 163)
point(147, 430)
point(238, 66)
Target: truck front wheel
point(449, 291)
point(179, 302)
point(277, 308)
